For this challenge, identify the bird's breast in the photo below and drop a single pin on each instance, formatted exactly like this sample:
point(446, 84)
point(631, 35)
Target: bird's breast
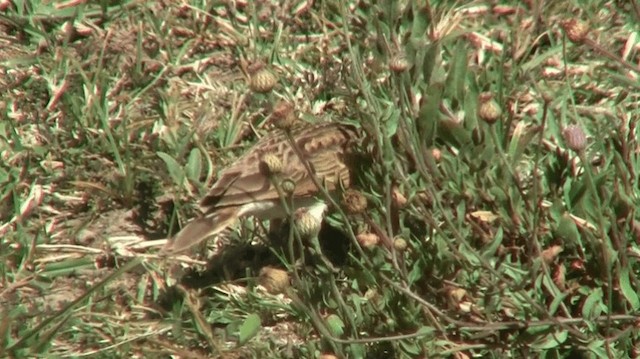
point(273, 209)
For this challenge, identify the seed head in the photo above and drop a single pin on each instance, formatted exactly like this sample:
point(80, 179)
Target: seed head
point(575, 138)
point(551, 253)
point(288, 186)
point(437, 154)
point(261, 80)
point(368, 240)
point(399, 200)
point(284, 115)
point(308, 225)
point(399, 63)
point(271, 164)
point(576, 30)
point(5, 4)
point(354, 202)
point(68, 31)
point(400, 244)
point(489, 110)
point(274, 280)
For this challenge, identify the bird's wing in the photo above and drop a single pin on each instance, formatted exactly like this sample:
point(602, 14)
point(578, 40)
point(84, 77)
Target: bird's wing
point(245, 181)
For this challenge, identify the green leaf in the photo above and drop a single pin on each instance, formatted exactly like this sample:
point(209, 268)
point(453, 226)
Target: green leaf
point(428, 115)
point(336, 325)
point(390, 119)
point(590, 308)
point(490, 250)
point(411, 347)
point(551, 340)
point(426, 331)
point(175, 170)
point(194, 165)
point(420, 23)
point(567, 229)
point(557, 301)
point(249, 328)
point(523, 135)
point(457, 77)
point(627, 289)
point(598, 348)
point(357, 350)
point(417, 272)
point(429, 63)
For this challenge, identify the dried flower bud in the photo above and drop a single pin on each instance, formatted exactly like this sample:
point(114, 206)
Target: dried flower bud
point(399, 63)
point(399, 200)
point(274, 280)
point(547, 96)
point(68, 31)
point(271, 164)
point(551, 253)
point(576, 30)
point(368, 240)
point(437, 154)
point(261, 79)
point(284, 116)
point(83, 30)
point(456, 294)
point(575, 138)
point(489, 110)
point(5, 4)
point(354, 202)
point(577, 265)
point(288, 186)
point(559, 275)
point(308, 225)
point(42, 45)
point(400, 244)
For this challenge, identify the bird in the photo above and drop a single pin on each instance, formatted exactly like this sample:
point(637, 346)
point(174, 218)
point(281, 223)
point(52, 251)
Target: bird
point(247, 187)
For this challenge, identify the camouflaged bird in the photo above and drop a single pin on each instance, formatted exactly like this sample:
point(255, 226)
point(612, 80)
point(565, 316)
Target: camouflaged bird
point(246, 187)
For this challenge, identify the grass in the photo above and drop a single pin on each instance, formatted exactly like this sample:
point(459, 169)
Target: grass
point(500, 231)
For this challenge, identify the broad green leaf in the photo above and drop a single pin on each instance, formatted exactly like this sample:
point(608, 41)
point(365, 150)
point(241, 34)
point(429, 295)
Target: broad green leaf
point(175, 170)
point(390, 118)
point(627, 289)
point(598, 348)
point(194, 165)
point(567, 230)
point(429, 63)
point(411, 347)
point(417, 272)
point(551, 340)
point(358, 351)
point(426, 331)
point(336, 325)
point(590, 308)
point(420, 22)
point(456, 80)
point(490, 250)
point(557, 301)
point(249, 328)
point(523, 135)
point(538, 331)
point(428, 115)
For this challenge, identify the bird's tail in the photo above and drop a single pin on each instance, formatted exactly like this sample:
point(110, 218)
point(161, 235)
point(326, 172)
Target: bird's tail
point(200, 229)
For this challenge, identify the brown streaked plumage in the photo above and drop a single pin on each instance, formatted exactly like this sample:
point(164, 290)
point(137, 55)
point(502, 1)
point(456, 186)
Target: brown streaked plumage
point(245, 189)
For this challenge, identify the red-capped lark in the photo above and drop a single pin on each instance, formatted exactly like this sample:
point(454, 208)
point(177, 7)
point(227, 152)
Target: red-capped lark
point(248, 186)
